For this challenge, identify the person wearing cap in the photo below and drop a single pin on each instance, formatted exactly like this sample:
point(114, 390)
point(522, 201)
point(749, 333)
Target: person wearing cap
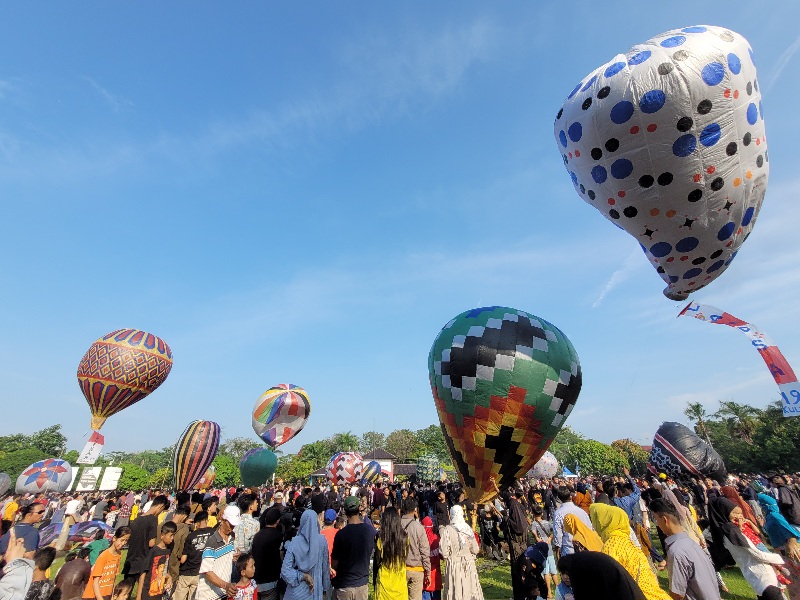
point(328, 529)
point(216, 567)
point(352, 550)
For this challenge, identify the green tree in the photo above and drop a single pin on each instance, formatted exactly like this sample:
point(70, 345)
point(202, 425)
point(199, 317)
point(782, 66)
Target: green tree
point(344, 442)
point(14, 442)
point(293, 468)
point(133, 477)
point(696, 412)
point(431, 440)
point(161, 478)
point(50, 440)
point(227, 471)
point(72, 457)
point(17, 461)
point(316, 453)
point(635, 455)
point(236, 447)
point(370, 441)
point(741, 420)
point(402, 443)
point(564, 439)
point(596, 458)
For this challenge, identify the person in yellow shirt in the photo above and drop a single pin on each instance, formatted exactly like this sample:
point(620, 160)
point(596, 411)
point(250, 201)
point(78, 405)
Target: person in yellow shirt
point(135, 510)
point(10, 512)
point(614, 528)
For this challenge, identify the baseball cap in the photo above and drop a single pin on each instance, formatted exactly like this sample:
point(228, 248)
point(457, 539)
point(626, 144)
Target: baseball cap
point(351, 502)
point(232, 515)
point(330, 516)
point(278, 496)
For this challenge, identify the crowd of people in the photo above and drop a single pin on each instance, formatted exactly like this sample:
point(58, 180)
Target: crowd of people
point(565, 539)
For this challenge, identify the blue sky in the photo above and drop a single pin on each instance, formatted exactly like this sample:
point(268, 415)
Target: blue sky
point(307, 193)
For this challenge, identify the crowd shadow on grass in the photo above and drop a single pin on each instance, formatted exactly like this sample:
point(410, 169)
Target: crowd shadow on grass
point(495, 580)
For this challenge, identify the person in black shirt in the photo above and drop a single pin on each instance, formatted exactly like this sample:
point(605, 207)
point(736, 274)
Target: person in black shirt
point(266, 552)
point(144, 532)
point(189, 572)
point(352, 551)
point(441, 511)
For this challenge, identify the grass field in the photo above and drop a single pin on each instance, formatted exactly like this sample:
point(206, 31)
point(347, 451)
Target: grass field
point(496, 580)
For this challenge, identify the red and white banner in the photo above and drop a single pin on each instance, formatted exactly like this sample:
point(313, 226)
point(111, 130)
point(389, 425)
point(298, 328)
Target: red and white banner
point(779, 367)
point(92, 449)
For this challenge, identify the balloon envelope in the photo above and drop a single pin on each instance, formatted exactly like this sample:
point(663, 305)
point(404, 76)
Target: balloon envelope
point(257, 466)
point(667, 141)
point(503, 382)
point(5, 483)
point(546, 467)
point(281, 413)
point(372, 472)
point(679, 452)
point(345, 467)
point(208, 478)
point(194, 451)
point(428, 468)
point(49, 475)
point(87, 531)
point(120, 369)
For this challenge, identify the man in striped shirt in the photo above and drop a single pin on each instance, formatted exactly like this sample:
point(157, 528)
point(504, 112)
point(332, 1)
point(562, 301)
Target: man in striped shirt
point(218, 556)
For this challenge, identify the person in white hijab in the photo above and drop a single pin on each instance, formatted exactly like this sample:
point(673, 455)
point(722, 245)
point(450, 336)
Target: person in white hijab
point(459, 547)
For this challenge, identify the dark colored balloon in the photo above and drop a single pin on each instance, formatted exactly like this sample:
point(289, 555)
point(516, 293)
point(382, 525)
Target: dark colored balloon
point(679, 452)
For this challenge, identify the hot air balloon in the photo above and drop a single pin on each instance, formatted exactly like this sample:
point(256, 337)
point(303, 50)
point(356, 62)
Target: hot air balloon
point(344, 467)
point(680, 453)
point(49, 475)
point(194, 451)
point(257, 466)
point(372, 472)
point(503, 382)
point(545, 468)
point(281, 413)
point(208, 478)
point(667, 141)
point(778, 366)
point(5, 483)
point(428, 468)
point(120, 369)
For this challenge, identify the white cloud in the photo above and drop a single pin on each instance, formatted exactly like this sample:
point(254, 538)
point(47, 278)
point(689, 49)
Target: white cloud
point(783, 61)
point(634, 263)
point(115, 101)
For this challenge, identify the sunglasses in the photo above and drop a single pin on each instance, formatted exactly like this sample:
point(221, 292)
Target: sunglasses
point(38, 512)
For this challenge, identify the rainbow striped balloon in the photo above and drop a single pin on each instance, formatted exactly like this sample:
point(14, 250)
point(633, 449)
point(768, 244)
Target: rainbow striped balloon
point(195, 450)
point(281, 413)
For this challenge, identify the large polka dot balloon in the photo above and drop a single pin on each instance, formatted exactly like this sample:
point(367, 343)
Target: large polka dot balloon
point(668, 142)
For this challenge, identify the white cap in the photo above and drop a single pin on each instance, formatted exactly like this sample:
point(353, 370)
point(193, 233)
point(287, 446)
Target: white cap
point(232, 515)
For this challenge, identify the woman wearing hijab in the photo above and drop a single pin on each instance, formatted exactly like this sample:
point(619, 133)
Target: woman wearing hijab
point(731, 494)
point(614, 528)
point(755, 564)
point(583, 537)
point(784, 538)
point(596, 576)
point(433, 591)
point(532, 564)
point(306, 569)
point(390, 558)
point(458, 546)
point(582, 499)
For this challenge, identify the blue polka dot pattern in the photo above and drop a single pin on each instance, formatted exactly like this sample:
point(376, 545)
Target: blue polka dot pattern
point(575, 132)
point(713, 73)
point(614, 69)
point(599, 174)
point(674, 41)
point(687, 244)
point(684, 145)
point(661, 249)
point(710, 134)
point(622, 112)
point(692, 273)
point(752, 114)
point(667, 141)
point(734, 64)
point(639, 58)
point(726, 232)
point(589, 83)
point(621, 168)
point(652, 101)
point(575, 91)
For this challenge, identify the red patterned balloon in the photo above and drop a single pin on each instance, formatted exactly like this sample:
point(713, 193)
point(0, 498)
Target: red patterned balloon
point(120, 369)
point(345, 467)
